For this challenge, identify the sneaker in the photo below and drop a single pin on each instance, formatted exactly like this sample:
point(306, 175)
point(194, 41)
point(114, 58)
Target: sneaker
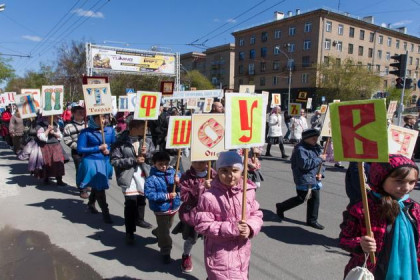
point(129, 238)
point(166, 259)
point(339, 165)
point(285, 156)
point(186, 264)
point(92, 208)
point(279, 212)
point(143, 224)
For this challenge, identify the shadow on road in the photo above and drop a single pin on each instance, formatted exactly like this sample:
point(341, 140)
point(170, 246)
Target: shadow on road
point(139, 256)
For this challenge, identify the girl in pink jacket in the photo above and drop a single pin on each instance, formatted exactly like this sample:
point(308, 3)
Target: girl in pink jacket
point(227, 245)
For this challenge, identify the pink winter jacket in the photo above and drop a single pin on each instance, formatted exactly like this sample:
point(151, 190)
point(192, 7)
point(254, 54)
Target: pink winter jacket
point(219, 210)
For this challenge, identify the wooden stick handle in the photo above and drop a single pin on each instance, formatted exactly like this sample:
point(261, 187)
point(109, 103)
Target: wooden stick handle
point(52, 121)
point(102, 129)
point(209, 170)
point(177, 167)
point(145, 134)
point(324, 152)
point(245, 182)
point(365, 206)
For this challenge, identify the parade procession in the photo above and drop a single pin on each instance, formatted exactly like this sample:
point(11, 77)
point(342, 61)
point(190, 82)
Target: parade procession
point(119, 162)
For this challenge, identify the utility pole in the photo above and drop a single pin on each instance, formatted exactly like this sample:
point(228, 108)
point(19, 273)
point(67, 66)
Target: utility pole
point(403, 90)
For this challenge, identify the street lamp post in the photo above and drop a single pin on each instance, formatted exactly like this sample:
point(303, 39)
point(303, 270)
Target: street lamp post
point(289, 64)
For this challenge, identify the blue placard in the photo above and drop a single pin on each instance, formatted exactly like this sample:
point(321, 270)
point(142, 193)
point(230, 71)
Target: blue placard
point(129, 90)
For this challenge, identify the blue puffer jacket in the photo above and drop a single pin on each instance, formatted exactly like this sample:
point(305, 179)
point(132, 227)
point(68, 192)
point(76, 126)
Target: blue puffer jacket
point(157, 188)
point(305, 163)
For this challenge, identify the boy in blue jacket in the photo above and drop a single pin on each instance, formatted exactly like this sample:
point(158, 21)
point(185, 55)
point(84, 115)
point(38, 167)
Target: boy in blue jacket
point(162, 200)
point(306, 159)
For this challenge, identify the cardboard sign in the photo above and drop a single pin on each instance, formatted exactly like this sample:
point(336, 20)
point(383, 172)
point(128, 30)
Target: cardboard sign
point(207, 136)
point(208, 105)
point(294, 109)
point(7, 98)
point(336, 101)
point(323, 109)
point(309, 103)
point(52, 100)
point(132, 99)
point(401, 140)
point(26, 105)
point(167, 87)
point(302, 96)
point(247, 89)
point(391, 109)
point(114, 103)
point(36, 94)
point(245, 120)
point(123, 103)
point(326, 127)
point(98, 99)
point(275, 100)
point(147, 105)
point(359, 130)
point(192, 103)
point(179, 132)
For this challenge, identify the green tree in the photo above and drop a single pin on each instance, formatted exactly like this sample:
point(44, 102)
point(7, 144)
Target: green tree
point(395, 94)
point(32, 79)
point(346, 80)
point(195, 79)
point(6, 71)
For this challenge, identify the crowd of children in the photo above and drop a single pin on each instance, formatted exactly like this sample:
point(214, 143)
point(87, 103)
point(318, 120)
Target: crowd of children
point(209, 201)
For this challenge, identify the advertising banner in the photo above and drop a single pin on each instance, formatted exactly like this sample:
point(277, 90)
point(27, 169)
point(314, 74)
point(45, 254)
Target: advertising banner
point(98, 99)
point(359, 130)
point(108, 59)
point(179, 132)
point(402, 140)
point(207, 136)
point(147, 105)
point(52, 100)
point(245, 120)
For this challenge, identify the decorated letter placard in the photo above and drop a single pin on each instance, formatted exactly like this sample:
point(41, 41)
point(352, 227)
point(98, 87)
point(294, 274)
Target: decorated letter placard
point(26, 105)
point(359, 130)
point(123, 103)
point(323, 109)
point(52, 100)
point(402, 140)
point(294, 109)
point(326, 127)
point(179, 132)
point(207, 136)
point(192, 103)
point(98, 99)
point(208, 105)
point(247, 88)
point(132, 99)
point(36, 95)
point(275, 100)
point(391, 109)
point(245, 120)
point(147, 105)
point(309, 103)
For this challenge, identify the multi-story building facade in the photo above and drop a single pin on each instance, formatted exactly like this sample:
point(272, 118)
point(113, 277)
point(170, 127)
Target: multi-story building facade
point(308, 39)
point(217, 64)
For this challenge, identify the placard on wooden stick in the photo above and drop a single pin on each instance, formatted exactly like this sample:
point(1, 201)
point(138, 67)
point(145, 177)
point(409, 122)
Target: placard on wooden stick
point(52, 100)
point(26, 105)
point(179, 132)
point(147, 105)
point(98, 99)
point(294, 109)
point(402, 140)
point(207, 136)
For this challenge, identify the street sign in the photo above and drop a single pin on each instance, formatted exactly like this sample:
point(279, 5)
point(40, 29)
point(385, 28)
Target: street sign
point(129, 90)
point(322, 98)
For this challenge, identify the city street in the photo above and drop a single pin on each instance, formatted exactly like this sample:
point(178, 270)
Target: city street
point(287, 250)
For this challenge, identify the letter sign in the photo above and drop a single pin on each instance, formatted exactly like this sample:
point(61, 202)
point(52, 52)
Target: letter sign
point(147, 105)
point(179, 132)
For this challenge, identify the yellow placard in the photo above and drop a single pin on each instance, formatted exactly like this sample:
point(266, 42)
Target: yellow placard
point(147, 105)
point(179, 132)
point(294, 109)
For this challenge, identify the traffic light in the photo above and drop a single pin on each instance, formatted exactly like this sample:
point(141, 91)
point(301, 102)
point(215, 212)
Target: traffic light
point(399, 83)
point(400, 65)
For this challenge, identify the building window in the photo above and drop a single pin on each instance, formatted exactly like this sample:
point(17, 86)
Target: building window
point(340, 29)
point(328, 26)
point(308, 27)
point(241, 42)
point(389, 42)
point(371, 37)
point(351, 32)
point(264, 36)
point(360, 51)
point(263, 52)
point(262, 66)
point(276, 49)
point(397, 44)
point(417, 62)
point(262, 81)
point(252, 54)
point(350, 49)
point(277, 34)
point(327, 44)
point(252, 40)
point(306, 61)
point(306, 44)
point(370, 52)
point(241, 56)
point(241, 69)
point(251, 69)
point(412, 47)
point(378, 68)
point(326, 60)
point(362, 35)
point(379, 54)
point(339, 46)
point(388, 56)
point(292, 31)
point(386, 70)
point(276, 65)
point(380, 39)
point(408, 73)
point(291, 47)
point(405, 45)
point(275, 80)
point(304, 78)
point(410, 60)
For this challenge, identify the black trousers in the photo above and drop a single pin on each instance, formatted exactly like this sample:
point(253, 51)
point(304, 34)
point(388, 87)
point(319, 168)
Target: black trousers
point(134, 208)
point(99, 196)
point(312, 207)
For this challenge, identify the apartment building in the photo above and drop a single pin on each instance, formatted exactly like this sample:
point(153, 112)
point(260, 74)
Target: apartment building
point(308, 39)
point(217, 64)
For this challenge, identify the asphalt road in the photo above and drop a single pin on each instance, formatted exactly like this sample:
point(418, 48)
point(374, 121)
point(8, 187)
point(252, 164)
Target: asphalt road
point(287, 250)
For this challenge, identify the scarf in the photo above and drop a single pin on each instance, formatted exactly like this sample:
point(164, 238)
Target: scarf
point(92, 124)
point(403, 259)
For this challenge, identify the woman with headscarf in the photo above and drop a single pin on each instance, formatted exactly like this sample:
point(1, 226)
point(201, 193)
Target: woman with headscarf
point(49, 137)
point(275, 134)
point(95, 169)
